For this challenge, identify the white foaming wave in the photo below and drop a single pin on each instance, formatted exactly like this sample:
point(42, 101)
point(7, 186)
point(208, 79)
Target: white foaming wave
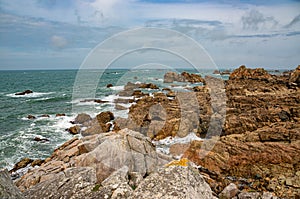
point(30, 95)
point(43, 98)
point(164, 144)
point(117, 88)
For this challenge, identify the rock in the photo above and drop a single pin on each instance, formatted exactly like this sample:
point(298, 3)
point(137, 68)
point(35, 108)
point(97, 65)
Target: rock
point(100, 101)
point(38, 139)
point(150, 86)
point(117, 178)
point(216, 72)
point(268, 195)
point(245, 73)
point(82, 118)
point(37, 162)
point(192, 78)
point(229, 192)
point(249, 195)
point(120, 107)
point(60, 115)
point(105, 117)
point(295, 76)
point(173, 182)
point(74, 129)
point(7, 189)
point(31, 117)
point(21, 164)
point(106, 153)
point(67, 184)
point(24, 92)
point(109, 85)
point(45, 115)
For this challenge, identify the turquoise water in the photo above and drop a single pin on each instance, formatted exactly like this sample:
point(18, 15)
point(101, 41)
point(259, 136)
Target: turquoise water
point(52, 94)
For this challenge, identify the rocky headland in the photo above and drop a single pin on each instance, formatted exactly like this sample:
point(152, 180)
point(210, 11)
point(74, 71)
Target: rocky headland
point(250, 146)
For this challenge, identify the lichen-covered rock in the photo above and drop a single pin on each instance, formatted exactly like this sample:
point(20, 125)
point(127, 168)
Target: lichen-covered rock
point(64, 184)
point(172, 182)
point(7, 189)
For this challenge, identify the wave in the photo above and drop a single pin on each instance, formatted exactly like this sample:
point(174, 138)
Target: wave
point(117, 88)
point(30, 95)
point(164, 144)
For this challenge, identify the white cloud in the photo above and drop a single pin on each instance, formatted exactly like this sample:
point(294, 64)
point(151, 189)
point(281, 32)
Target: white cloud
point(58, 41)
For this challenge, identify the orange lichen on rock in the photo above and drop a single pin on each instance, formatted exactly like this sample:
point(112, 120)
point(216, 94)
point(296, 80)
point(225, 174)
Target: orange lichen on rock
point(182, 162)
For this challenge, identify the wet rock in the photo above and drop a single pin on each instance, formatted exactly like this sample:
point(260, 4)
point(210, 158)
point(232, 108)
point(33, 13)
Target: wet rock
point(74, 129)
point(173, 182)
point(45, 115)
point(120, 107)
point(7, 189)
point(60, 115)
point(105, 117)
point(229, 192)
point(109, 85)
point(24, 92)
point(21, 164)
point(37, 162)
point(82, 118)
point(149, 85)
point(31, 117)
point(38, 139)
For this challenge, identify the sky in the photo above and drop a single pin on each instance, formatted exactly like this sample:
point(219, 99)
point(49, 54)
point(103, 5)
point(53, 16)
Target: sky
point(60, 34)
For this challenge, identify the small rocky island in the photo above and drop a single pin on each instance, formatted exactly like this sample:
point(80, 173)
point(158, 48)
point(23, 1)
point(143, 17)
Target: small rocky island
point(252, 119)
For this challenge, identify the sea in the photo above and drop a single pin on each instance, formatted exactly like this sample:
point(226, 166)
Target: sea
point(53, 93)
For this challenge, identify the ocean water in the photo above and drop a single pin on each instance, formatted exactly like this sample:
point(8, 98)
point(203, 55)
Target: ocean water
point(53, 92)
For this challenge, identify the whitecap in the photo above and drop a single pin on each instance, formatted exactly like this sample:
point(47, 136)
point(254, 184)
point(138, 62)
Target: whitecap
point(117, 88)
point(30, 95)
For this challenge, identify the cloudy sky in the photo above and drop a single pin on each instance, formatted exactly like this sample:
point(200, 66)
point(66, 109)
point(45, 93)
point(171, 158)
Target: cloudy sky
point(59, 34)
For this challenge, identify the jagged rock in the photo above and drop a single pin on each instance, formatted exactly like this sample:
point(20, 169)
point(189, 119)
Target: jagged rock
point(31, 117)
point(24, 92)
point(150, 86)
point(82, 118)
point(105, 117)
point(192, 78)
point(7, 189)
point(106, 153)
point(173, 182)
point(64, 184)
point(229, 192)
point(295, 76)
point(37, 162)
point(74, 129)
point(21, 164)
point(245, 73)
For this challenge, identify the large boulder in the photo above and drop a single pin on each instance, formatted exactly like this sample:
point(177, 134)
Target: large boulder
point(105, 153)
point(7, 189)
point(82, 118)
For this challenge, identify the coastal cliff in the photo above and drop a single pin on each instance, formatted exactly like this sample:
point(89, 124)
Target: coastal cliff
point(255, 151)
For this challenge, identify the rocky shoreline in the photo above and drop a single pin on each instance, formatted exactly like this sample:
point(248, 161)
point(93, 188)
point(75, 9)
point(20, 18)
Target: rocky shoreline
point(250, 130)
